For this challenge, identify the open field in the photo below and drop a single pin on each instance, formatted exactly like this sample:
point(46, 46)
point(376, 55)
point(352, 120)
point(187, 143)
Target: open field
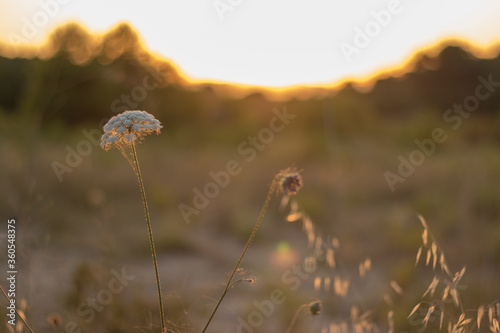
point(369, 170)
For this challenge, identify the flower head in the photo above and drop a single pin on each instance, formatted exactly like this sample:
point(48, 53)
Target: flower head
point(54, 320)
point(128, 128)
point(290, 181)
point(315, 308)
point(251, 280)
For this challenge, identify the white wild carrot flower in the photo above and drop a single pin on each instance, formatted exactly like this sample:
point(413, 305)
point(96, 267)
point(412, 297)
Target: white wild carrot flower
point(123, 131)
point(128, 128)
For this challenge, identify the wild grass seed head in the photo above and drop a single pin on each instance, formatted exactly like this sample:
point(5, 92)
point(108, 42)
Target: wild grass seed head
point(315, 308)
point(290, 181)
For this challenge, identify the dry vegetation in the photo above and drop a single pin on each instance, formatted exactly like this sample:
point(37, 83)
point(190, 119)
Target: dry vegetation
point(345, 242)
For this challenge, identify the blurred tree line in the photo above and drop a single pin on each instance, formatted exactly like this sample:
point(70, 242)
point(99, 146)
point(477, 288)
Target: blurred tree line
point(79, 78)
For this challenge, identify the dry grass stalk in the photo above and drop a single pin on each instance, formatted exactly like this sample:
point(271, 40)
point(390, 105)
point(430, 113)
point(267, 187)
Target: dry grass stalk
point(388, 300)
point(495, 326)
point(446, 292)
point(396, 287)
point(390, 320)
point(493, 316)
point(341, 286)
point(491, 310)
point(434, 255)
point(354, 314)
point(317, 283)
point(419, 253)
point(414, 310)
point(326, 284)
point(287, 182)
point(432, 287)
point(364, 267)
point(441, 319)
point(19, 312)
point(430, 311)
point(480, 314)
point(344, 326)
point(365, 315)
point(330, 258)
point(450, 289)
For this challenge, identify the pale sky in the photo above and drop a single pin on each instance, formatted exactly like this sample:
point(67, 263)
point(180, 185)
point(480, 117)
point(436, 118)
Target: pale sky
point(270, 43)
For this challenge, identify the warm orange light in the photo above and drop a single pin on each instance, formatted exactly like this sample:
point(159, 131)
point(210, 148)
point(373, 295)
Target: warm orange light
point(81, 47)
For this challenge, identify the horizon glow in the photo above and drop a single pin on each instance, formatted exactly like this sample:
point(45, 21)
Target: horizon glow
point(278, 44)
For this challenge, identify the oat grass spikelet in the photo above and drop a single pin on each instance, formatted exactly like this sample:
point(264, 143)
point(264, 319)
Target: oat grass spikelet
point(123, 132)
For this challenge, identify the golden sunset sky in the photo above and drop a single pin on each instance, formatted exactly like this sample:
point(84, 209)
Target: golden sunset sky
point(275, 43)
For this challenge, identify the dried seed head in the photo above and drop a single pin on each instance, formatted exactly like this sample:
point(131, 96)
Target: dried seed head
point(315, 308)
point(290, 181)
point(251, 280)
point(54, 320)
point(128, 128)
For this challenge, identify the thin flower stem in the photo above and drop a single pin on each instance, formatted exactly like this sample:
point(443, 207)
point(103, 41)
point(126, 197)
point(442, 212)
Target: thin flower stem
point(18, 314)
point(295, 317)
point(250, 239)
point(151, 241)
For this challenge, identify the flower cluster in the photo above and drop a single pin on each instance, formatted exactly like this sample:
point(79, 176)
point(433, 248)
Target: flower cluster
point(127, 128)
point(290, 181)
